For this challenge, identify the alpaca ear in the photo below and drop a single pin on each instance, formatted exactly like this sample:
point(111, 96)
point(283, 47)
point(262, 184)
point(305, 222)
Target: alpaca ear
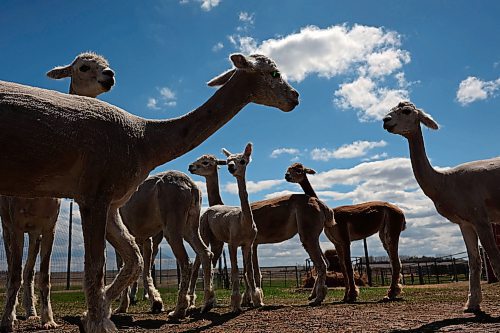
point(309, 171)
point(427, 120)
point(240, 61)
point(221, 162)
point(221, 79)
point(226, 152)
point(248, 149)
point(59, 72)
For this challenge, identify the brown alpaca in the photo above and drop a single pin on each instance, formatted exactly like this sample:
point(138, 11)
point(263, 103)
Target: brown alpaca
point(90, 76)
point(59, 145)
point(277, 220)
point(168, 202)
point(468, 194)
point(355, 222)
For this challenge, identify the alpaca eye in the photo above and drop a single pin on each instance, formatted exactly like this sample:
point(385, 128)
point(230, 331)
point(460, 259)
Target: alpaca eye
point(84, 68)
point(242, 162)
point(205, 163)
point(406, 111)
point(275, 74)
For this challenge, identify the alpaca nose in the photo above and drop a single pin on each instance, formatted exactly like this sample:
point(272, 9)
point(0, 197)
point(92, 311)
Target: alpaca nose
point(287, 176)
point(109, 72)
point(231, 167)
point(387, 118)
point(191, 168)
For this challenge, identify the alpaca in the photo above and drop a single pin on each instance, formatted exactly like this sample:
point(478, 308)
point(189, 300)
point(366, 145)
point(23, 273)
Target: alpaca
point(100, 154)
point(90, 76)
point(467, 194)
point(277, 219)
point(355, 222)
point(236, 227)
point(169, 202)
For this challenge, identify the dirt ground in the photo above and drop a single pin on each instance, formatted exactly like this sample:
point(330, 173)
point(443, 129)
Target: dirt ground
point(436, 308)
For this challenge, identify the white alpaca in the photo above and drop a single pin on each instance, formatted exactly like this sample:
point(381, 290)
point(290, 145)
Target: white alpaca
point(236, 227)
point(90, 76)
point(468, 194)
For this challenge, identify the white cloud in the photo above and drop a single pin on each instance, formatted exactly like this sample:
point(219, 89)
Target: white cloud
point(373, 54)
point(246, 17)
point(472, 89)
point(280, 151)
point(353, 150)
point(253, 187)
point(167, 98)
point(207, 5)
point(217, 47)
point(371, 101)
point(376, 157)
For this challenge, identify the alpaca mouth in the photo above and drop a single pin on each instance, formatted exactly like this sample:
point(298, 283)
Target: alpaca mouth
point(389, 128)
point(288, 177)
point(191, 168)
point(108, 84)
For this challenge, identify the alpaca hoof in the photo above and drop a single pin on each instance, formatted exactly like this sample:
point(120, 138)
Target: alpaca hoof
point(208, 306)
point(175, 315)
point(474, 310)
point(157, 307)
point(103, 326)
point(49, 325)
point(120, 310)
point(236, 310)
point(32, 317)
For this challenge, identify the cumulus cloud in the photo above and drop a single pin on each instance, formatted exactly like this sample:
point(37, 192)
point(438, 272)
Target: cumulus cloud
point(253, 187)
point(246, 17)
point(372, 54)
point(280, 151)
point(473, 89)
point(353, 150)
point(206, 5)
point(166, 98)
point(217, 47)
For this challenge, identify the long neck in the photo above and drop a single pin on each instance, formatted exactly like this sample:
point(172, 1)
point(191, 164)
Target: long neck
point(214, 197)
point(245, 205)
point(165, 140)
point(306, 186)
point(427, 177)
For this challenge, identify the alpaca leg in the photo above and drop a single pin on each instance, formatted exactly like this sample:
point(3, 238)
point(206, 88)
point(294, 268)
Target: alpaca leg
point(192, 282)
point(485, 234)
point(125, 300)
point(96, 319)
point(124, 243)
point(44, 280)
point(471, 242)
point(16, 239)
point(235, 279)
point(311, 245)
point(206, 259)
point(257, 277)
point(176, 243)
point(352, 291)
point(391, 245)
point(154, 295)
point(29, 299)
point(256, 295)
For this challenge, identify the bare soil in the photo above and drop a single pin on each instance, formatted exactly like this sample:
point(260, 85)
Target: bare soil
point(436, 308)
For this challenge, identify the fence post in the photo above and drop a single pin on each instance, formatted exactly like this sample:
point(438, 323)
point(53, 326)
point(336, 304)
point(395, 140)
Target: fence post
point(455, 276)
point(420, 277)
point(68, 269)
point(285, 275)
point(368, 269)
point(382, 277)
point(428, 273)
point(226, 274)
point(159, 254)
point(436, 270)
point(297, 275)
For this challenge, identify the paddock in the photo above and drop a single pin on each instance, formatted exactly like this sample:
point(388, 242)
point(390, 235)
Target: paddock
point(428, 308)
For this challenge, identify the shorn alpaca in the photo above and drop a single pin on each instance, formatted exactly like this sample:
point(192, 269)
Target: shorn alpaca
point(100, 154)
point(169, 202)
point(468, 194)
point(355, 222)
point(277, 219)
point(90, 76)
point(236, 227)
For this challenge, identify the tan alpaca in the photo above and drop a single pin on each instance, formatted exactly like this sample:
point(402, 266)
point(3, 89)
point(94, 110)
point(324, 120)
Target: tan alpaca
point(169, 203)
point(277, 220)
point(236, 227)
point(90, 76)
point(468, 194)
point(355, 222)
point(100, 154)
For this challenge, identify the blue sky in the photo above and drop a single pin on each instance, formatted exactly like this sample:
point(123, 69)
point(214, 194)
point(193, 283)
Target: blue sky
point(350, 60)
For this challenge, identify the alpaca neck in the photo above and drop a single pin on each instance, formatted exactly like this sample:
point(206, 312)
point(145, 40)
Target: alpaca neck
point(214, 197)
point(165, 140)
point(306, 186)
point(245, 205)
point(427, 177)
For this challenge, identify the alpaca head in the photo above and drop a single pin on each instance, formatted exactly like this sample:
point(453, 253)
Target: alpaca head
point(89, 72)
point(237, 163)
point(405, 119)
point(265, 83)
point(297, 173)
point(206, 165)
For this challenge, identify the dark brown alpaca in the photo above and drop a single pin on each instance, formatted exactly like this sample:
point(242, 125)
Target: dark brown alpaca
point(355, 222)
